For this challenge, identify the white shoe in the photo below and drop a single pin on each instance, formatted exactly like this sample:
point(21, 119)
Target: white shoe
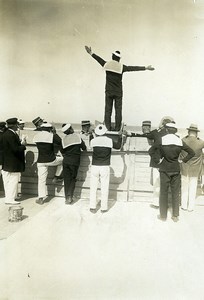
point(12, 203)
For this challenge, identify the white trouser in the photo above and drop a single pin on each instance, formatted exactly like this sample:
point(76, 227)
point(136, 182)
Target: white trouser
point(101, 173)
point(10, 180)
point(156, 186)
point(43, 172)
point(188, 192)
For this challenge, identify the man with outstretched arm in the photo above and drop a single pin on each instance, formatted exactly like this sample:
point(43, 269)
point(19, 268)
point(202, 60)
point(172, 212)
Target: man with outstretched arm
point(113, 89)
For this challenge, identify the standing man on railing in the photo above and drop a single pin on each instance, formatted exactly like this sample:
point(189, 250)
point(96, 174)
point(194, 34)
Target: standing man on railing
point(113, 89)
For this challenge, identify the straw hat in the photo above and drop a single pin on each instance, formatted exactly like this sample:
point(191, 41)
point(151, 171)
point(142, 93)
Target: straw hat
point(193, 127)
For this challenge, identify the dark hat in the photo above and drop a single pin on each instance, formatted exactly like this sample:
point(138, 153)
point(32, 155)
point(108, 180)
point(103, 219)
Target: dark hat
point(193, 127)
point(146, 123)
point(85, 123)
point(12, 121)
point(37, 120)
point(2, 124)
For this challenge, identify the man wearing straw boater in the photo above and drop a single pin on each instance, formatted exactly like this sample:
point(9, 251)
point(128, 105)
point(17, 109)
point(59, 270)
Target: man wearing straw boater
point(191, 170)
point(114, 90)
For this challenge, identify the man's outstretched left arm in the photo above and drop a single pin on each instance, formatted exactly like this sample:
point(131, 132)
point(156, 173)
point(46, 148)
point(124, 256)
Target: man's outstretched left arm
point(137, 68)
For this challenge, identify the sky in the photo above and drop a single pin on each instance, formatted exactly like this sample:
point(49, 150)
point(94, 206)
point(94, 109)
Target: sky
point(45, 70)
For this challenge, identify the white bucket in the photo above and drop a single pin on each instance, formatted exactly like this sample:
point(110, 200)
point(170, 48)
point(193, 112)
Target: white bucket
point(15, 213)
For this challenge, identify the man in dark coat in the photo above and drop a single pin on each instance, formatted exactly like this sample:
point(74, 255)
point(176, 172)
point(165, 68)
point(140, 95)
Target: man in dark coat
point(166, 154)
point(2, 130)
point(13, 160)
point(154, 137)
point(114, 90)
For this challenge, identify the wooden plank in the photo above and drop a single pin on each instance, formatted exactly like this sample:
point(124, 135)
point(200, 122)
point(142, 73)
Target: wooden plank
point(129, 171)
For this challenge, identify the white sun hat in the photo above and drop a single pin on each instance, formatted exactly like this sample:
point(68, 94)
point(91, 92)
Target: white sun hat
point(100, 129)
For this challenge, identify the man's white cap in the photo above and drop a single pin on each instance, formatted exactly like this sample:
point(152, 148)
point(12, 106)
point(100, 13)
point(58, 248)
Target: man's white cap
point(100, 129)
point(66, 127)
point(117, 53)
point(20, 121)
point(46, 125)
point(171, 125)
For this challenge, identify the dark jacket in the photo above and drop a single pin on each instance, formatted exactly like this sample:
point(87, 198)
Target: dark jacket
point(13, 152)
point(71, 149)
point(113, 78)
point(167, 153)
point(102, 147)
point(1, 147)
point(155, 136)
point(46, 142)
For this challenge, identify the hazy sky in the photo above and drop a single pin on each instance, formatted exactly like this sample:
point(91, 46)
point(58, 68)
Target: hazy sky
point(46, 72)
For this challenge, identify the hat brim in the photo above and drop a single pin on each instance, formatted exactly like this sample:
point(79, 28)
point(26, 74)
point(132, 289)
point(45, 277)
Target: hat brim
point(101, 132)
point(193, 129)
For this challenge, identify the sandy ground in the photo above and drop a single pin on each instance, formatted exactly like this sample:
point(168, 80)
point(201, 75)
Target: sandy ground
point(67, 253)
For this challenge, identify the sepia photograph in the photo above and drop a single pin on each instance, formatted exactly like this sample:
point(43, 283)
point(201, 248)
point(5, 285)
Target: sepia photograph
point(101, 149)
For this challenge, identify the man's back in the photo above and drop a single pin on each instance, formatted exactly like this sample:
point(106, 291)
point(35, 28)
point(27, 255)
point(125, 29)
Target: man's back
point(45, 143)
point(194, 166)
point(102, 146)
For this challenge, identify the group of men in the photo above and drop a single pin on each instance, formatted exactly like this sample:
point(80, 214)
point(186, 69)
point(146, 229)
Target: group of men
point(171, 157)
point(176, 163)
point(70, 146)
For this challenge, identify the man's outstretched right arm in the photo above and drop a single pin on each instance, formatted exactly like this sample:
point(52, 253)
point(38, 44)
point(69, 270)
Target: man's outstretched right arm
point(96, 57)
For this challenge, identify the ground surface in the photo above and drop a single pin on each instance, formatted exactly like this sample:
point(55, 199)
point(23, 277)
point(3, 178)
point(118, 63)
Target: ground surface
point(61, 252)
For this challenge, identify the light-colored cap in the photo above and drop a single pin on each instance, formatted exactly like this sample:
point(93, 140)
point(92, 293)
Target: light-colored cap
point(165, 120)
point(100, 129)
point(66, 127)
point(117, 53)
point(146, 123)
point(46, 125)
point(171, 125)
point(20, 121)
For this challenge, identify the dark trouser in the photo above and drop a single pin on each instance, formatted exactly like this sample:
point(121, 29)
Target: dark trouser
point(108, 110)
point(174, 181)
point(70, 174)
